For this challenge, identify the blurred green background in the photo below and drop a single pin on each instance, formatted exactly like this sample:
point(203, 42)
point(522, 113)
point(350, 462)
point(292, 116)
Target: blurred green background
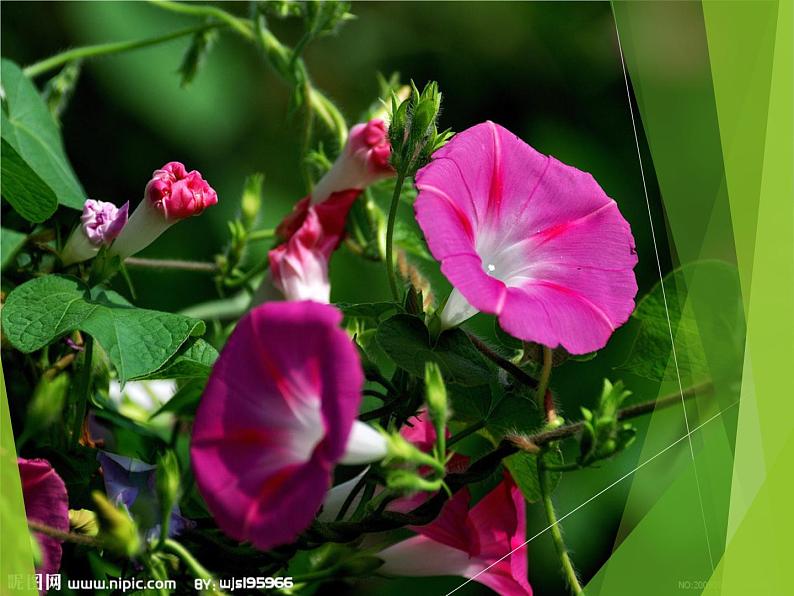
point(550, 72)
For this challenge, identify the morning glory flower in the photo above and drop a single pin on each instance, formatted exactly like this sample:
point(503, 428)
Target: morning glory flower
point(527, 238)
point(470, 542)
point(100, 223)
point(46, 502)
point(278, 413)
point(132, 483)
point(171, 195)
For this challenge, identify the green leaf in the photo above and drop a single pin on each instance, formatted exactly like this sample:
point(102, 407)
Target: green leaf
point(185, 400)
point(194, 360)
point(23, 189)
point(523, 468)
point(703, 302)
point(28, 126)
point(515, 412)
point(410, 239)
point(10, 242)
point(407, 342)
point(372, 312)
point(137, 341)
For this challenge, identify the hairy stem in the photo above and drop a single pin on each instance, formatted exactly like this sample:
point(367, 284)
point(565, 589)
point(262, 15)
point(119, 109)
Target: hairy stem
point(241, 26)
point(502, 362)
point(171, 264)
point(105, 49)
point(546, 403)
point(395, 198)
point(556, 531)
point(81, 390)
point(345, 531)
point(64, 536)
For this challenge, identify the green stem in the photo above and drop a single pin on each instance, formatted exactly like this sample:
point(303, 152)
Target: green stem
point(265, 234)
point(469, 430)
point(242, 26)
point(502, 362)
point(81, 392)
point(308, 127)
point(171, 264)
point(104, 49)
point(556, 531)
point(543, 385)
point(398, 187)
point(196, 568)
point(64, 536)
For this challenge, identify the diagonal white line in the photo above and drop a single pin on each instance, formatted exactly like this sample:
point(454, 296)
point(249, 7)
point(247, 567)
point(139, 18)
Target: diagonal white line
point(598, 494)
point(664, 293)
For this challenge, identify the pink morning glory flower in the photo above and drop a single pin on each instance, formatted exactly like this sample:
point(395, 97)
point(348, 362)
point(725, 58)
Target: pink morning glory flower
point(100, 224)
point(278, 413)
point(299, 267)
point(171, 195)
point(363, 161)
point(470, 542)
point(46, 502)
point(527, 238)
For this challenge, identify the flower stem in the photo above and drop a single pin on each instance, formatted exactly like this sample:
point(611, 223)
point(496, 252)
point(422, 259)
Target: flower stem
point(556, 531)
point(104, 49)
point(196, 568)
point(81, 391)
point(398, 187)
point(172, 264)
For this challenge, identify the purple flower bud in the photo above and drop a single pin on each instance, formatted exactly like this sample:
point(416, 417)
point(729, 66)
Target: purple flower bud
point(100, 224)
point(102, 221)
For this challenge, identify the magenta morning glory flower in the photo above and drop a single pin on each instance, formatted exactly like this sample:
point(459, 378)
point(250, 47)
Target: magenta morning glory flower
point(100, 223)
point(484, 543)
point(46, 502)
point(527, 238)
point(278, 413)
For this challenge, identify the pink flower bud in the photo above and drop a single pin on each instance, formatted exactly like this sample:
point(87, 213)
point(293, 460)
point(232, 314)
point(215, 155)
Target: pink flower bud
point(299, 267)
point(363, 161)
point(177, 193)
point(171, 195)
point(100, 223)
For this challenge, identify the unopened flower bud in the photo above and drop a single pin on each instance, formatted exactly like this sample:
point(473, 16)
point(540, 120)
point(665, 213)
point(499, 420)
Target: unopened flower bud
point(100, 224)
point(117, 530)
point(363, 161)
point(171, 195)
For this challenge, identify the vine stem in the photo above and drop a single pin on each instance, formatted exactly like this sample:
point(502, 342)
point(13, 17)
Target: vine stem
point(242, 26)
point(501, 361)
point(546, 403)
point(197, 569)
point(556, 531)
point(64, 536)
point(482, 468)
point(398, 187)
point(172, 264)
point(81, 393)
point(105, 49)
